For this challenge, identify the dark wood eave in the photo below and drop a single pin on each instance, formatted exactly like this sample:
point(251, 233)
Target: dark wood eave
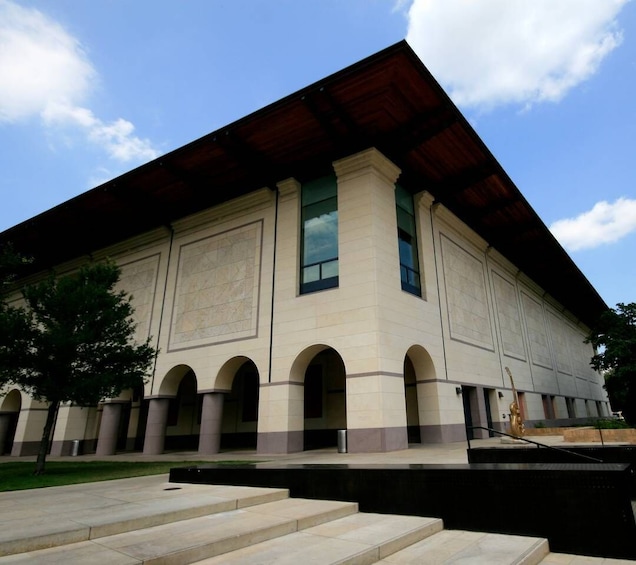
point(389, 101)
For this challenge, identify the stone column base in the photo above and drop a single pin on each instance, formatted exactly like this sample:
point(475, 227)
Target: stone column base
point(156, 426)
point(447, 433)
point(109, 429)
point(211, 420)
point(374, 440)
point(280, 442)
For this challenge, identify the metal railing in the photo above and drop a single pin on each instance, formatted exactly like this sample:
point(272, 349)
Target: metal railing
point(539, 445)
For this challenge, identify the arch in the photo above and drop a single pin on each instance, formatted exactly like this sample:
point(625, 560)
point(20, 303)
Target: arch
point(302, 361)
point(240, 378)
point(418, 368)
point(412, 404)
point(9, 414)
point(422, 363)
point(183, 414)
point(170, 383)
point(12, 402)
point(184, 408)
point(228, 370)
point(324, 395)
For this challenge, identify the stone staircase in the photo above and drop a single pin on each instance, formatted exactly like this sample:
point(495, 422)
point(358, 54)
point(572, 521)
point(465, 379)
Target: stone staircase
point(165, 523)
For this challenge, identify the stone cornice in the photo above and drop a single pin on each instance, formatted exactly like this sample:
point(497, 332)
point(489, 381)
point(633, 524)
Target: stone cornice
point(288, 189)
point(367, 161)
point(424, 200)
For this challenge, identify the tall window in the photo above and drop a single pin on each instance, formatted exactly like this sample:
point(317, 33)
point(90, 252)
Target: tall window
point(319, 245)
point(407, 242)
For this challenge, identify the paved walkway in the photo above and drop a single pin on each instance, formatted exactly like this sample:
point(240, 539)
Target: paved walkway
point(417, 453)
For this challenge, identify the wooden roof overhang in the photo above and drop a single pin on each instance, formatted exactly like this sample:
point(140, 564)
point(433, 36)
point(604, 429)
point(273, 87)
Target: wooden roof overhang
point(389, 101)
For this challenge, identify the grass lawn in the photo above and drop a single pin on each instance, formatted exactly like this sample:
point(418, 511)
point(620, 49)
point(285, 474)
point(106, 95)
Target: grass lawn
point(19, 475)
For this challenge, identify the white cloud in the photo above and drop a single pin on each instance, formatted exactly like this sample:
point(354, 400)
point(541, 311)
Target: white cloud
point(116, 138)
point(494, 52)
point(46, 73)
point(39, 63)
point(604, 223)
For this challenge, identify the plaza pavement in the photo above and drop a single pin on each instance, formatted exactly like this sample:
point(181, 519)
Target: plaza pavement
point(416, 453)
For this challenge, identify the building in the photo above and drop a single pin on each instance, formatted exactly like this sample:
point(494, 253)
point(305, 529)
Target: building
point(349, 257)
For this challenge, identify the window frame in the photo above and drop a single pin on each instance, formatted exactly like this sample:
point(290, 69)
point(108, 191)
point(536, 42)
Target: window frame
point(318, 200)
point(410, 275)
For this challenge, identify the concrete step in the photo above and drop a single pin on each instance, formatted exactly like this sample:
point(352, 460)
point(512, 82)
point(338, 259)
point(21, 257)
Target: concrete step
point(566, 559)
point(65, 515)
point(190, 540)
point(357, 540)
point(476, 548)
point(147, 520)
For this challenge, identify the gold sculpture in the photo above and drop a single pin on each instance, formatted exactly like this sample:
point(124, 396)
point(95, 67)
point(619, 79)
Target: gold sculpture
point(516, 422)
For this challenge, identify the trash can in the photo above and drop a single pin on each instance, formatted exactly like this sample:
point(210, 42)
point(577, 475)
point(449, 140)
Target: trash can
point(342, 441)
point(75, 445)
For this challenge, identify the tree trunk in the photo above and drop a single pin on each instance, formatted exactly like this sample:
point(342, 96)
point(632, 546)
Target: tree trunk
point(46, 437)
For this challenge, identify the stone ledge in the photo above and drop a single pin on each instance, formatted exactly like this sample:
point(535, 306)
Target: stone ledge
point(544, 431)
point(585, 435)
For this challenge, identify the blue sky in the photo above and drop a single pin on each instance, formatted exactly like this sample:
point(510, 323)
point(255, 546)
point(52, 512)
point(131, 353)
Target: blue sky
point(90, 89)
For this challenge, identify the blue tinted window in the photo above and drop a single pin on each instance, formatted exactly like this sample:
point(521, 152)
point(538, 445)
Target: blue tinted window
point(407, 242)
point(319, 245)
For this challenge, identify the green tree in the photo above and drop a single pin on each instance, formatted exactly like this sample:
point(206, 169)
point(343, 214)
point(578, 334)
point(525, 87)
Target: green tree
point(10, 263)
point(614, 340)
point(72, 342)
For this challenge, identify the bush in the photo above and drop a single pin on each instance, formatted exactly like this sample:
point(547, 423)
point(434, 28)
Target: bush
point(608, 424)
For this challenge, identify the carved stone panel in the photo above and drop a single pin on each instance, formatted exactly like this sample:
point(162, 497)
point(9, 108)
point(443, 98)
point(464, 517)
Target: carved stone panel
point(560, 332)
point(466, 295)
point(537, 333)
point(509, 317)
point(581, 355)
point(139, 279)
point(216, 297)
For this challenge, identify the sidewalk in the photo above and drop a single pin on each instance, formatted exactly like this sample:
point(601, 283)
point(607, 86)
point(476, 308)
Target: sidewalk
point(449, 453)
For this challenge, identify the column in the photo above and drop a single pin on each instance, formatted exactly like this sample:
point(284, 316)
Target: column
point(109, 429)
point(369, 277)
point(280, 411)
point(211, 418)
point(156, 426)
point(281, 423)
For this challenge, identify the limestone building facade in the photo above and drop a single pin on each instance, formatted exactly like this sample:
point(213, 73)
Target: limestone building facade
point(351, 257)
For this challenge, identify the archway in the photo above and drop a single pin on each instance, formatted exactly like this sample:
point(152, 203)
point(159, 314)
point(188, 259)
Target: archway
point(412, 405)
point(9, 414)
point(184, 409)
point(324, 400)
point(422, 396)
point(240, 409)
point(174, 413)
